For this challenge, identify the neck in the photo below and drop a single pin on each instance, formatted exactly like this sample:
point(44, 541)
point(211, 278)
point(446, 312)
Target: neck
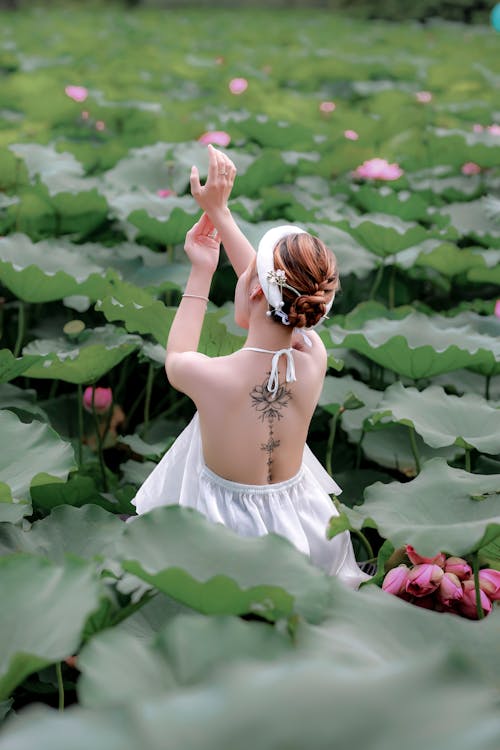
point(267, 334)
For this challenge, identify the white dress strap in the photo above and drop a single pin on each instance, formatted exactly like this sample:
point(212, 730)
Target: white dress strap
point(273, 382)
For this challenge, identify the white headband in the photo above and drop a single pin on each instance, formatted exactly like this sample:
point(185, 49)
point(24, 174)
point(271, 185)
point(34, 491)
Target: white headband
point(272, 281)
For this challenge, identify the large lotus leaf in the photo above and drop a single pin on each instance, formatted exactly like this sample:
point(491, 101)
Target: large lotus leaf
point(344, 393)
point(404, 204)
point(11, 367)
point(216, 571)
point(48, 270)
point(139, 311)
point(87, 532)
point(76, 492)
point(22, 401)
point(31, 452)
point(458, 146)
point(385, 235)
point(82, 361)
point(441, 509)
point(419, 346)
point(116, 666)
point(150, 168)
point(161, 220)
point(44, 609)
point(216, 340)
point(60, 172)
point(351, 256)
point(369, 310)
point(12, 512)
point(474, 219)
point(444, 257)
point(442, 419)
point(293, 703)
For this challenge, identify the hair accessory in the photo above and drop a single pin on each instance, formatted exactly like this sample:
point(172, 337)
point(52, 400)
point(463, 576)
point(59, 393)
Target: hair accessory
point(271, 280)
point(196, 296)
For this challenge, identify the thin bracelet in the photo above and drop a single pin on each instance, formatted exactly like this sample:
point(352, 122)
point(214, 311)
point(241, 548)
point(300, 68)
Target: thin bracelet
point(196, 296)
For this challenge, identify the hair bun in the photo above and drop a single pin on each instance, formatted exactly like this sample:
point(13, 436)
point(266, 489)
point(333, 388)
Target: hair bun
point(307, 310)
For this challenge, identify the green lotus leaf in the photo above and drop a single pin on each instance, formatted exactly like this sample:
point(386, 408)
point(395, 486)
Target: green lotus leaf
point(481, 148)
point(78, 491)
point(44, 608)
point(186, 651)
point(84, 361)
point(60, 172)
point(351, 256)
point(407, 206)
point(46, 270)
point(475, 220)
point(12, 512)
point(450, 187)
point(383, 234)
point(11, 367)
point(442, 509)
point(444, 257)
point(143, 448)
point(88, 533)
point(161, 220)
point(442, 420)
point(344, 394)
point(22, 401)
point(419, 346)
point(215, 339)
point(215, 571)
point(31, 452)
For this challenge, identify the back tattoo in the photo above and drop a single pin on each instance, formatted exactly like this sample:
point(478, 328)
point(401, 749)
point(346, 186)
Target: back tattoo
point(269, 408)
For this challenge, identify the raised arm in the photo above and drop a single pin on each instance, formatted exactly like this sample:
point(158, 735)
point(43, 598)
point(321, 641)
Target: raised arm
point(212, 198)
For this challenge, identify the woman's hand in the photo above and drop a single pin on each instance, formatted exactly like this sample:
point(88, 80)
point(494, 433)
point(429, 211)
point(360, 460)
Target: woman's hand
point(212, 197)
point(202, 246)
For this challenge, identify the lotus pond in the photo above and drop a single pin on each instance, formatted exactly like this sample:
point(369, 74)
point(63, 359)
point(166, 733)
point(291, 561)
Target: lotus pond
point(172, 632)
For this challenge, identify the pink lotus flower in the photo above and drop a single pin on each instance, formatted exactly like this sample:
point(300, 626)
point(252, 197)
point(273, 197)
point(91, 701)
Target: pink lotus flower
point(238, 85)
point(327, 107)
point(467, 606)
point(378, 169)
point(470, 167)
point(493, 129)
point(217, 137)
point(459, 567)
point(165, 193)
point(100, 125)
point(489, 582)
point(417, 559)
point(395, 580)
point(497, 308)
point(424, 579)
point(77, 93)
point(351, 135)
point(477, 128)
point(103, 398)
point(450, 589)
point(424, 97)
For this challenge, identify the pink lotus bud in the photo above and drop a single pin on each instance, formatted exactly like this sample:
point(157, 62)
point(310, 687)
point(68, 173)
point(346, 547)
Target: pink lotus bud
point(395, 580)
point(450, 589)
point(424, 579)
point(165, 193)
point(467, 606)
point(238, 85)
point(100, 125)
point(493, 129)
point(424, 97)
point(77, 93)
point(459, 567)
point(351, 135)
point(216, 137)
point(489, 582)
point(497, 308)
point(85, 115)
point(417, 559)
point(477, 128)
point(103, 398)
point(378, 169)
point(470, 167)
point(327, 107)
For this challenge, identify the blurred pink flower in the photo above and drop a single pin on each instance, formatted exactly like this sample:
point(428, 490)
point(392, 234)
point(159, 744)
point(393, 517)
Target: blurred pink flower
point(467, 605)
point(351, 135)
point(470, 167)
point(424, 97)
point(477, 128)
point(450, 589)
point(218, 137)
point(497, 308)
point(489, 582)
point(424, 579)
point(417, 559)
point(395, 580)
point(77, 93)
point(493, 129)
point(459, 567)
point(103, 398)
point(378, 169)
point(165, 193)
point(327, 106)
point(85, 115)
point(100, 125)
point(238, 85)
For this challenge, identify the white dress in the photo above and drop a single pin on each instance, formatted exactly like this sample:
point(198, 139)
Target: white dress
point(298, 509)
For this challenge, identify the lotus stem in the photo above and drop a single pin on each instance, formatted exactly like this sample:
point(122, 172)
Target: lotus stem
point(147, 400)
point(475, 567)
point(366, 544)
point(358, 449)
point(487, 387)
point(376, 283)
point(414, 448)
point(80, 424)
point(60, 686)
point(392, 289)
point(331, 440)
point(99, 443)
point(21, 327)
point(467, 460)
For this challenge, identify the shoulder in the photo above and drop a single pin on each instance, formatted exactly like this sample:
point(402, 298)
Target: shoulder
point(313, 349)
point(194, 374)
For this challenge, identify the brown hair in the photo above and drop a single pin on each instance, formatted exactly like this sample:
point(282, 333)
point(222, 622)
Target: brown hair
point(311, 268)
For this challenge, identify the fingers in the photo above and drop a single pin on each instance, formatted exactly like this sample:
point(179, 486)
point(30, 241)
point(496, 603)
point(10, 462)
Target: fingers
point(212, 164)
point(194, 180)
